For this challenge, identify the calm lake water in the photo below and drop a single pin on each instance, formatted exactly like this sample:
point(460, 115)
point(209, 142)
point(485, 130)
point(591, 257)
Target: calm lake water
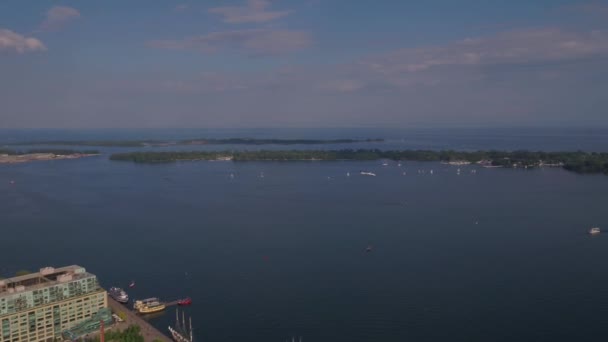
point(496, 255)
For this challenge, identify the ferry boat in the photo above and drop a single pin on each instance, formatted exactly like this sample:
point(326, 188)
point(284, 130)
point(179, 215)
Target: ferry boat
point(118, 294)
point(181, 333)
point(367, 173)
point(594, 231)
point(148, 305)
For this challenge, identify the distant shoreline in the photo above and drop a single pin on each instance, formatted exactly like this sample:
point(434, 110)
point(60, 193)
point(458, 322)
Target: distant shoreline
point(580, 162)
point(17, 157)
point(202, 141)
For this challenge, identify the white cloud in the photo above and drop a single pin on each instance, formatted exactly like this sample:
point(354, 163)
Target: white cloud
point(255, 11)
point(58, 16)
point(11, 41)
point(465, 62)
point(250, 42)
point(514, 47)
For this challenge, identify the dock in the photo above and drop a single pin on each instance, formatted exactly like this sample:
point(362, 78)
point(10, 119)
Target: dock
point(172, 303)
point(149, 332)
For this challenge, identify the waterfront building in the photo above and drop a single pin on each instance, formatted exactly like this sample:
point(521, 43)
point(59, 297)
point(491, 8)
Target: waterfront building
point(44, 305)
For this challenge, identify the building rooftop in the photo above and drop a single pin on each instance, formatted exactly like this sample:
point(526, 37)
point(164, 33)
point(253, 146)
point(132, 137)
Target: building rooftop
point(47, 276)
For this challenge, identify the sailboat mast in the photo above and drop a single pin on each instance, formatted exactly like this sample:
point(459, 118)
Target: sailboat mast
point(184, 319)
point(191, 330)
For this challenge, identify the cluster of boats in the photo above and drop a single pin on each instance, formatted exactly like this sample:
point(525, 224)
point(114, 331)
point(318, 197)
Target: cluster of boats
point(180, 332)
point(144, 306)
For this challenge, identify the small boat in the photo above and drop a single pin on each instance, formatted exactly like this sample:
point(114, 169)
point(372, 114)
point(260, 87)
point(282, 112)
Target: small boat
point(385, 164)
point(367, 173)
point(348, 174)
point(185, 301)
point(118, 294)
point(132, 285)
point(594, 231)
point(369, 249)
point(149, 305)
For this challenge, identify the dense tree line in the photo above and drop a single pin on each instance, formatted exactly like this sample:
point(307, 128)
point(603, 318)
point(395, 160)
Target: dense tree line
point(581, 162)
point(131, 334)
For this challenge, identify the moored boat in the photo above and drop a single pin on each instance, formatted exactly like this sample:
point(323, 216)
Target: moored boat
point(148, 305)
point(594, 231)
point(185, 301)
point(181, 333)
point(367, 173)
point(118, 294)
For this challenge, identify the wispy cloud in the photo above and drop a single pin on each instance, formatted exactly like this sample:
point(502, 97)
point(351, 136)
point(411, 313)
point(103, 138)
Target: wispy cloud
point(181, 7)
point(12, 41)
point(254, 11)
point(596, 8)
point(253, 42)
point(514, 47)
point(467, 62)
point(58, 16)
point(343, 85)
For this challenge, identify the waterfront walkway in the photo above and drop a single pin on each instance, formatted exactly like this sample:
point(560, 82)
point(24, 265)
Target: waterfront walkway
point(149, 332)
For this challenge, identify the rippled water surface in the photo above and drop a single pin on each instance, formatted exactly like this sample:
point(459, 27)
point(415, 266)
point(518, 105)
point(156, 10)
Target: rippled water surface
point(496, 255)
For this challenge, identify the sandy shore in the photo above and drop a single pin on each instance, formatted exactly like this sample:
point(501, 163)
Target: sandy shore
point(24, 158)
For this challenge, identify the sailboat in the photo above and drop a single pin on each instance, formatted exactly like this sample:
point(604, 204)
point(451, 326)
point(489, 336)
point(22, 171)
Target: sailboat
point(181, 333)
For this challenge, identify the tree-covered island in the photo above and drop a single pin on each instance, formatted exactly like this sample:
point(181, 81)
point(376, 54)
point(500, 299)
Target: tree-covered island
point(581, 162)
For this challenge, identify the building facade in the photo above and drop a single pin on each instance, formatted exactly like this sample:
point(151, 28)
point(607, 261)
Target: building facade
point(42, 305)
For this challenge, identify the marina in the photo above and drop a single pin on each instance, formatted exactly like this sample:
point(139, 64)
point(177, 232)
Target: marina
point(181, 332)
point(149, 332)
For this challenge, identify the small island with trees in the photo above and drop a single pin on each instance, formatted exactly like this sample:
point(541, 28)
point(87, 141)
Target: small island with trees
point(14, 156)
point(581, 162)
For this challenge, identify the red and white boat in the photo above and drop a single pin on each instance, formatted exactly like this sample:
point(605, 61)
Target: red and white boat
point(185, 301)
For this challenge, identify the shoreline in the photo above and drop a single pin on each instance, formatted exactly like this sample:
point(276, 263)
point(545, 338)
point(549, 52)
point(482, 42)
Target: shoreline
point(579, 162)
point(33, 157)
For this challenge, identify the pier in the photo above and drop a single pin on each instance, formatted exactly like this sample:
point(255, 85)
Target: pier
point(149, 332)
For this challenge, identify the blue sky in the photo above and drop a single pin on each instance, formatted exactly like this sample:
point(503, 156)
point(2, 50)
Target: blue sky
point(306, 63)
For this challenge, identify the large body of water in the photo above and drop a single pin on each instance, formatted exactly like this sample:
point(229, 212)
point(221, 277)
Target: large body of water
point(496, 255)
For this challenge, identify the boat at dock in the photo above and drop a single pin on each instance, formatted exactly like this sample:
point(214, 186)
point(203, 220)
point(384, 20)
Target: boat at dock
point(181, 333)
point(185, 301)
point(149, 305)
point(118, 294)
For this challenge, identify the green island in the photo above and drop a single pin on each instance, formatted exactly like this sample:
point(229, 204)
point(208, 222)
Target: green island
point(202, 141)
point(581, 162)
